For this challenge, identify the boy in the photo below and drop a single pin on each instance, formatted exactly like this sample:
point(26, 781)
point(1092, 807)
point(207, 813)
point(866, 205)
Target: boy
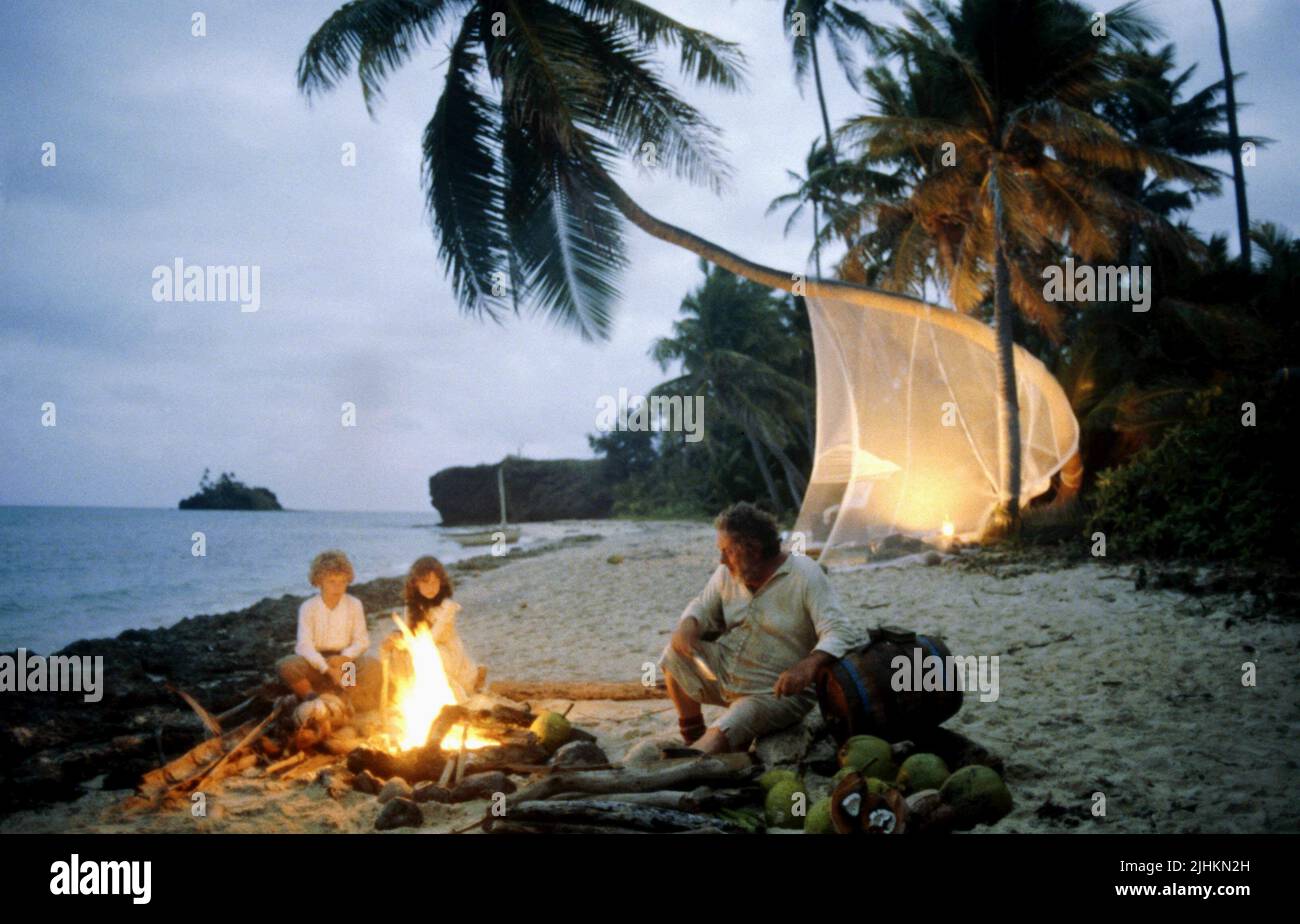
point(332, 635)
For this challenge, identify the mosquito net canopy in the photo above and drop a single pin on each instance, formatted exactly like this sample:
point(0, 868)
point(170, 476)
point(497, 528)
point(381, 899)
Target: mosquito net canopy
point(907, 425)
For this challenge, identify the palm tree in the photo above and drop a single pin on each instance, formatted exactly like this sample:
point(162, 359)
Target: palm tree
point(731, 347)
point(1011, 155)
point(1238, 175)
point(538, 101)
point(809, 190)
point(808, 20)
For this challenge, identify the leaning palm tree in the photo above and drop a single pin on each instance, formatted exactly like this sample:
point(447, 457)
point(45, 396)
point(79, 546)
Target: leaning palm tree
point(808, 20)
point(1012, 155)
point(1238, 174)
point(538, 103)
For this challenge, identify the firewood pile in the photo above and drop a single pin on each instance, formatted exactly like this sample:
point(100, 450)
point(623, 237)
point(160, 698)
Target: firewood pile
point(544, 774)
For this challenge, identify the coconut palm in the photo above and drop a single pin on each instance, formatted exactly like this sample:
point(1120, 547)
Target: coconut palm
point(997, 103)
point(808, 20)
point(538, 103)
point(1238, 174)
point(810, 190)
point(731, 348)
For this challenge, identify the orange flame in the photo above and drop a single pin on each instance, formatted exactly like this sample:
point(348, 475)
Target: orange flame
point(420, 696)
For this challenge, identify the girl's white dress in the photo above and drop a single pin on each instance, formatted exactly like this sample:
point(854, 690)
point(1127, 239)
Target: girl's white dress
point(461, 669)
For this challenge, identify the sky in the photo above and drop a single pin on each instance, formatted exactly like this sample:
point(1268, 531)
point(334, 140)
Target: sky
point(170, 146)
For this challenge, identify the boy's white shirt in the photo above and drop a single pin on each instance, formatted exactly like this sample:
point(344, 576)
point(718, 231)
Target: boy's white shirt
point(341, 629)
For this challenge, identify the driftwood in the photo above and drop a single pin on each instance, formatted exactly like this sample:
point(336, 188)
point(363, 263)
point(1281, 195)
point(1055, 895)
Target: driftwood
point(575, 689)
point(665, 774)
point(617, 814)
point(502, 826)
point(310, 766)
point(287, 763)
point(258, 731)
point(235, 710)
point(211, 724)
point(156, 783)
point(700, 799)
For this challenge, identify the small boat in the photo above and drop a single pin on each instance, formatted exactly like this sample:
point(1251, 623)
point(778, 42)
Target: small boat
point(503, 532)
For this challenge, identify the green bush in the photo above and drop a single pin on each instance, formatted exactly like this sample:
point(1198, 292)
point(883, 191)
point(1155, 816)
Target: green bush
point(1210, 489)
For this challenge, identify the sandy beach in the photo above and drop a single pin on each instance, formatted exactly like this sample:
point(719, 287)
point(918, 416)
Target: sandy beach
point(1136, 694)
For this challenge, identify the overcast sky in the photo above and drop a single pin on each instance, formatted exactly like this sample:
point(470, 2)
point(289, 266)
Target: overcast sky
point(201, 148)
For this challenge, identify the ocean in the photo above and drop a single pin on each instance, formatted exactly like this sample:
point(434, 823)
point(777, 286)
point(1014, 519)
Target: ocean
point(68, 573)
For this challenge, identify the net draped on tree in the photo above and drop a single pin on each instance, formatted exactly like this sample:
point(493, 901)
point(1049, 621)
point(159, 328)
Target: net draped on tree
point(907, 425)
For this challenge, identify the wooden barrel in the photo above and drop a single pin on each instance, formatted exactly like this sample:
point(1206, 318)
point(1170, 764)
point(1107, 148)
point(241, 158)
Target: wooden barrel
point(857, 695)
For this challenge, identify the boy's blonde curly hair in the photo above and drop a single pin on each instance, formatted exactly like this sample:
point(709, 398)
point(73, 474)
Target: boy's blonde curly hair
point(331, 561)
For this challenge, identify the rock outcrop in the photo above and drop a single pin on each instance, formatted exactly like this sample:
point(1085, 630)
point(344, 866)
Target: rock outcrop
point(536, 490)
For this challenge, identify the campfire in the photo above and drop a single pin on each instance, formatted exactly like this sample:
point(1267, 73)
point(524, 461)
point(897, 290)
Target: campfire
point(420, 697)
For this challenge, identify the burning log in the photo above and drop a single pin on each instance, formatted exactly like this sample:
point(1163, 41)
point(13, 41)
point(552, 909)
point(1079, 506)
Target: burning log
point(416, 765)
point(603, 812)
point(528, 690)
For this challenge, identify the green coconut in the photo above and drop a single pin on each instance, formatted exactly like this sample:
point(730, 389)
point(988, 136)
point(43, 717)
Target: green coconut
point(977, 796)
point(819, 818)
point(922, 771)
point(841, 774)
point(551, 729)
point(780, 803)
point(772, 777)
point(878, 787)
point(869, 755)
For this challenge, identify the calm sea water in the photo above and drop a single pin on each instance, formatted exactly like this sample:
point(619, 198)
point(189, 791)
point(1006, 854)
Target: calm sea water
point(68, 573)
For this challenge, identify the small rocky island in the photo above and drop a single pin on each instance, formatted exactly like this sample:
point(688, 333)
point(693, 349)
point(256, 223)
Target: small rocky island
point(227, 493)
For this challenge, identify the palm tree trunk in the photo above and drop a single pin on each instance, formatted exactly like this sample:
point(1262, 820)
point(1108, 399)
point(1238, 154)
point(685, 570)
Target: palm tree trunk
point(1234, 139)
point(774, 278)
point(763, 467)
point(817, 247)
point(821, 101)
point(1006, 519)
point(794, 479)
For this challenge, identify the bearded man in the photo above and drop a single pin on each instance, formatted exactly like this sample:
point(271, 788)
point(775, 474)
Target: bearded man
point(755, 637)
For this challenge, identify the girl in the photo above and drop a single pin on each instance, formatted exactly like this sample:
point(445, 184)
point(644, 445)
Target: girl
point(428, 602)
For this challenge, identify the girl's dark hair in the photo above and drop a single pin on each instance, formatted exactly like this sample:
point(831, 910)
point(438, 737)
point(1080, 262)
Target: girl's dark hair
point(752, 526)
point(417, 604)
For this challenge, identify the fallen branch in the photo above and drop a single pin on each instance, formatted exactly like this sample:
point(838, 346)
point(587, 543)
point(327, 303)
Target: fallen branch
point(701, 799)
point(210, 723)
point(248, 739)
point(286, 763)
point(619, 814)
point(501, 826)
point(574, 690)
point(667, 774)
point(1051, 641)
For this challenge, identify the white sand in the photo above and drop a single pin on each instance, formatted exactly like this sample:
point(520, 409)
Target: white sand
point(1136, 695)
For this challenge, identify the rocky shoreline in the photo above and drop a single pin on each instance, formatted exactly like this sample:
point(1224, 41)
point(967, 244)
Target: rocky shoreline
point(52, 744)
